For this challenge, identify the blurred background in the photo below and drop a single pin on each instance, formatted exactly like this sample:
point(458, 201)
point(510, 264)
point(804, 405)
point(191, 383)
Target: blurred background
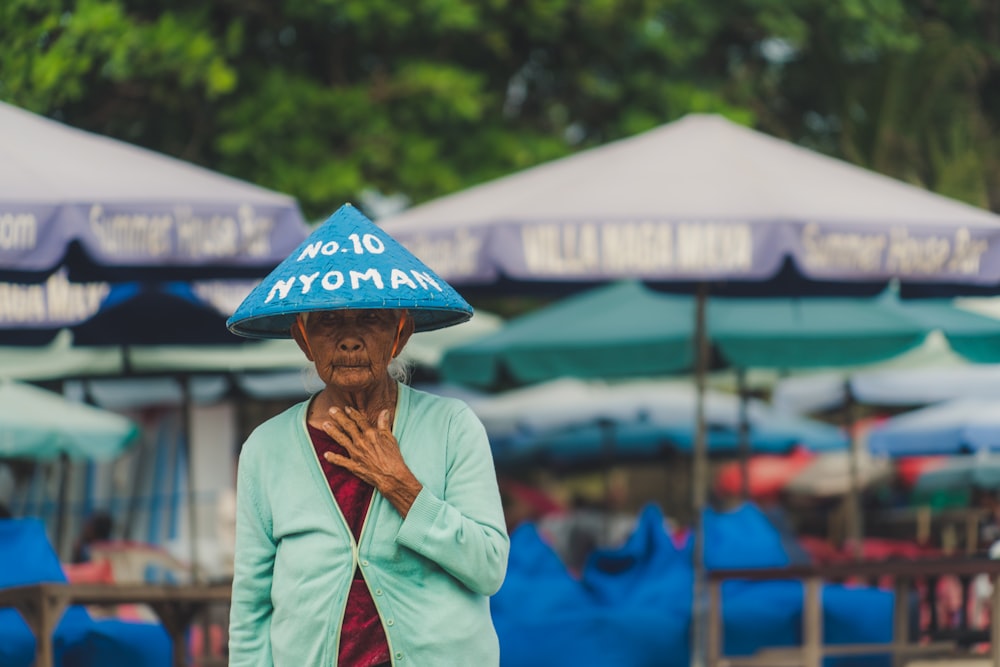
point(390, 105)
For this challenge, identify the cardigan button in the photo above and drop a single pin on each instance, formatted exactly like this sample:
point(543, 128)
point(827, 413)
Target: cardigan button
point(390, 622)
point(378, 591)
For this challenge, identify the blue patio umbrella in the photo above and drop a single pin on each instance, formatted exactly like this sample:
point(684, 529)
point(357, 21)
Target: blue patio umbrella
point(953, 427)
point(902, 386)
point(597, 443)
point(573, 422)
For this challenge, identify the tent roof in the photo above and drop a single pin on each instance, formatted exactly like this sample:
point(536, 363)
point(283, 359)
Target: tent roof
point(701, 167)
point(92, 167)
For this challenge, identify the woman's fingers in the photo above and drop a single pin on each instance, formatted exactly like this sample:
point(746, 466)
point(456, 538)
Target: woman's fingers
point(352, 430)
point(346, 422)
point(340, 460)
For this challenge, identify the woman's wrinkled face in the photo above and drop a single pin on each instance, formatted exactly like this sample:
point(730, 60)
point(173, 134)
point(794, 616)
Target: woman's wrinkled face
point(351, 348)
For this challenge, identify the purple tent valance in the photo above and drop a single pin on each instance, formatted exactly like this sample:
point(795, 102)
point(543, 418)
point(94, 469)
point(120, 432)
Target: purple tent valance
point(752, 250)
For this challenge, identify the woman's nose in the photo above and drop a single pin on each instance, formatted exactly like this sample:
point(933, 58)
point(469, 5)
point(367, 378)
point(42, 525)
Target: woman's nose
point(350, 344)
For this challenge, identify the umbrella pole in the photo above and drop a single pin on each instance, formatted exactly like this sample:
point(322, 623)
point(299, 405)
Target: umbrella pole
point(191, 494)
point(744, 433)
point(699, 485)
point(132, 509)
point(608, 453)
point(135, 490)
point(855, 518)
point(61, 509)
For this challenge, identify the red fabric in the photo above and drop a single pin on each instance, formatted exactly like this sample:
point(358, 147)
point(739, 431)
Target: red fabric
point(540, 502)
point(872, 549)
point(362, 638)
point(768, 473)
point(910, 468)
point(92, 572)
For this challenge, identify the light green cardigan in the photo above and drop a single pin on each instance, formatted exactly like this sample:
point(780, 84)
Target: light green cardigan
point(430, 576)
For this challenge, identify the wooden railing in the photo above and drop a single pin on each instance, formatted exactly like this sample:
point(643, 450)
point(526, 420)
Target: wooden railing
point(904, 574)
point(43, 604)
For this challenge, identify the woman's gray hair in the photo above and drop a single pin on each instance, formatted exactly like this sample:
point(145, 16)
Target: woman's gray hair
point(400, 369)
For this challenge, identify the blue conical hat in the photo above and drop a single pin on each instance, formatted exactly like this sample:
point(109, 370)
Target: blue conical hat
point(347, 262)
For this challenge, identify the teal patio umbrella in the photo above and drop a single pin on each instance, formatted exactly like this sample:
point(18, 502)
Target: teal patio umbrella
point(41, 425)
point(960, 472)
point(623, 330)
point(627, 330)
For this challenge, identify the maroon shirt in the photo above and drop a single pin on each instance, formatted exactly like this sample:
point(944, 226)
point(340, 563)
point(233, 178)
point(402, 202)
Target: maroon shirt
point(362, 639)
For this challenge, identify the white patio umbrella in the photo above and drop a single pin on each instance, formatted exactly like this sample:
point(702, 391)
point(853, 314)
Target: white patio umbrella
point(830, 474)
point(109, 210)
point(702, 199)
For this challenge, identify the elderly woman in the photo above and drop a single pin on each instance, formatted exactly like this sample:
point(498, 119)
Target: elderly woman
point(369, 525)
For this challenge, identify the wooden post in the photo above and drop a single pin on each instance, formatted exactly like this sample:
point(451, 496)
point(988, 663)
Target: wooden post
point(187, 405)
point(972, 532)
point(42, 612)
point(812, 622)
point(995, 621)
point(699, 481)
point(744, 433)
point(176, 617)
point(900, 620)
point(715, 623)
point(923, 524)
point(855, 518)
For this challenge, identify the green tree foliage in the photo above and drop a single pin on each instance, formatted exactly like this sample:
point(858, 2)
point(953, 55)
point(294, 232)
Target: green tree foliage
point(327, 99)
point(905, 88)
point(150, 77)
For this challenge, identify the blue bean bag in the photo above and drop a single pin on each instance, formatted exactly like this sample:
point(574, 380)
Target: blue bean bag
point(27, 557)
point(631, 606)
